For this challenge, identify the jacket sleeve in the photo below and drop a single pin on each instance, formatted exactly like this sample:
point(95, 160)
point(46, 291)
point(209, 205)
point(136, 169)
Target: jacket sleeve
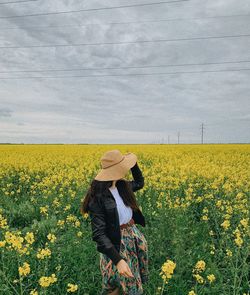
point(98, 225)
point(138, 181)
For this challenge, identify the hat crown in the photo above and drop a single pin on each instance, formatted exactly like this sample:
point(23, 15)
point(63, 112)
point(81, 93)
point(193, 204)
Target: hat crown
point(111, 158)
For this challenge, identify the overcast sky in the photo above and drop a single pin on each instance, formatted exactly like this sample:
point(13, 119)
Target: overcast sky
point(119, 107)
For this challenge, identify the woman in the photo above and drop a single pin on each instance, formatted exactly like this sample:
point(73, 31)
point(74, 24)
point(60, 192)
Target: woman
point(114, 213)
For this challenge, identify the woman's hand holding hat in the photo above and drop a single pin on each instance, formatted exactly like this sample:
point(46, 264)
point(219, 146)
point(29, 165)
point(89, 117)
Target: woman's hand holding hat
point(129, 153)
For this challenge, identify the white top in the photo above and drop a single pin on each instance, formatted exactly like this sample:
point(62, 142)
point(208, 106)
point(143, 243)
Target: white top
point(125, 212)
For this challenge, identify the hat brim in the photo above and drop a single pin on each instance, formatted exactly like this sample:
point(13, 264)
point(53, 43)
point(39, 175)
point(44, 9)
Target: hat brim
point(119, 170)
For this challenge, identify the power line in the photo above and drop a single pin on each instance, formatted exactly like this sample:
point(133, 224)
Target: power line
point(91, 9)
point(131, 74)
point(125, 23)
point(22, 1)
point(126, 42)
point(125, 67)
point(202, 132)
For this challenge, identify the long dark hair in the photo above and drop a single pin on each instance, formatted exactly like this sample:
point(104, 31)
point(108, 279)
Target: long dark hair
point(97, 187)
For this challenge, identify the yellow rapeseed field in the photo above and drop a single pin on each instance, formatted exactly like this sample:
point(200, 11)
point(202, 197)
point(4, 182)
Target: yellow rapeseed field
point(196, 201)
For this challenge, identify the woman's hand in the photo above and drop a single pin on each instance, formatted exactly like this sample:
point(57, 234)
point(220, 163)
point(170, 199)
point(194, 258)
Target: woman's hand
point(124, 269)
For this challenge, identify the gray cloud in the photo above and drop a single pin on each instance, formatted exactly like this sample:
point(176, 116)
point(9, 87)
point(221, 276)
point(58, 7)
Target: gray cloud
point(125, 108)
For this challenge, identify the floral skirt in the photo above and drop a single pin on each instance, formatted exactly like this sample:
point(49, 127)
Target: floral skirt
point(134, 250)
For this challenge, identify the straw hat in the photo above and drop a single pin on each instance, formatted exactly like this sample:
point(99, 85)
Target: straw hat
point(115, 165)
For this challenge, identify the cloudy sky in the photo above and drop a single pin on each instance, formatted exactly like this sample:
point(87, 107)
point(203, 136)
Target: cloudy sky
point(47, 94)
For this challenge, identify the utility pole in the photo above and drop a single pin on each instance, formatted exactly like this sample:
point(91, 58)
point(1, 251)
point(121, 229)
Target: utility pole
point(168, 139)
point(178, 137)
point(202, 132)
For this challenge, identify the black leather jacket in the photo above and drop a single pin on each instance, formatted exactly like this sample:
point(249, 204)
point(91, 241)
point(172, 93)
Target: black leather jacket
point(105, 220)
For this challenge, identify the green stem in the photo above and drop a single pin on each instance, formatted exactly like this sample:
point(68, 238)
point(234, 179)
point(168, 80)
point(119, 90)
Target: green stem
point(45, 273)
point(196, 289)
point(235, 273)
point(242, 271)
point(20, 278)
point(9, 282)
point(163, 287)
point(5, 277)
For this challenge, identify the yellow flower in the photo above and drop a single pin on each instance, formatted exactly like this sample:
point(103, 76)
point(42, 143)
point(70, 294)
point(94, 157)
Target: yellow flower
point(77, 223)
point(51, 237)
point(56, 202)
point(211, 278)
point(199, 278)
point(67, 207)
point(191, 292)
point(85, 215)
point(244, 222)
point(44, 210)
point(14, 240)
point(24, 270)
point(29, 237)
point(3, 222)
point(44, 281)
point(205, 217)
point(199, 199)
point(79, 234)
point(199, 266)
point(229, 252)
point(60, 223)
point(238, 241)
point(72, 288)
point(167, 270)
point(71, 218)
point(2, 243)
point(225, 224)
point(47, 281)
point(43, 253)
point(33, 292)
point(212, 249)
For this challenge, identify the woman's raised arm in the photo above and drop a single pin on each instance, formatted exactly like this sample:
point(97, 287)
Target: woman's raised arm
point(138, 181)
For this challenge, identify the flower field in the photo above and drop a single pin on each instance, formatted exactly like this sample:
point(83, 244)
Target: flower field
point(195, 200)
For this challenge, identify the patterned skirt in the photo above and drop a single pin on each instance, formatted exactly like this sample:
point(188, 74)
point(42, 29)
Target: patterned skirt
point(134, 250)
